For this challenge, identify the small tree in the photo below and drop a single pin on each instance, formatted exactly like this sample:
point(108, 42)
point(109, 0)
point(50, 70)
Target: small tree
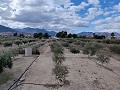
point(38, 35)
point(112, 35)
point(92, 48)
point(5, 61)
point(60, 72)
point(103, 56)
point(89, 49)
point(58, 59)
point(15, 34)
point(62, 34)
point(69, 35)
point(74, 36)
point(46, 35)
point(22, 35)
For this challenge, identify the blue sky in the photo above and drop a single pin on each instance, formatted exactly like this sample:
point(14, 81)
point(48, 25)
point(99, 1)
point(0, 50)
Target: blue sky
point(73, 16)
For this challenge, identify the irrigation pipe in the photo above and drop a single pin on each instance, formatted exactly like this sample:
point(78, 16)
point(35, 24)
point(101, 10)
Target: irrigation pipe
point(10, 88)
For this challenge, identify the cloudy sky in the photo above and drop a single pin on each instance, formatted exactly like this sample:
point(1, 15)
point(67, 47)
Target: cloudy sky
point(70, 15)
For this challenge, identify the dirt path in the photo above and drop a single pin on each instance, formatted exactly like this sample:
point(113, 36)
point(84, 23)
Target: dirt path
point(40, 72)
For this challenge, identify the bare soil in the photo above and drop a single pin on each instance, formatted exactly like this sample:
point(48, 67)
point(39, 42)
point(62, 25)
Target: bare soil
point(84, 73)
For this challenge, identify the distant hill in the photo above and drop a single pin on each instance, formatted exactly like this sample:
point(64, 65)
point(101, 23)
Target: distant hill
point(35, 30)
point(85, 34)
point(97, 33)
point(6, 29)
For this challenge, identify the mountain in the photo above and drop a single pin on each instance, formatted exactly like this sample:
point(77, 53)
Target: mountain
point(85, 34)
point(98, 33)
point(6, 29)
point(35, 30)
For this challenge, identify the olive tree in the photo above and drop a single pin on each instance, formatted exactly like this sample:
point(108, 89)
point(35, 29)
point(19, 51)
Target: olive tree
point(5, 61)
point(103, 56)
point(60, 72)
point(91, 48)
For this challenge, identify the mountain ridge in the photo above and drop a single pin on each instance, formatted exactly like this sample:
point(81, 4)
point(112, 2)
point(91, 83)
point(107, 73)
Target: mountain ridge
point(28, 30)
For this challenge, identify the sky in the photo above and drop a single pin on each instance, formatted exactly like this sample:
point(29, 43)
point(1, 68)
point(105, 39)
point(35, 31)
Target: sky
point(73, 16)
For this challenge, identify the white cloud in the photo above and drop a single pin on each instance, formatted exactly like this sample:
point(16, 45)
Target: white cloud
point(115, 19)
point(111, 24)
point(93, 12)
point(42, 13)
point(95, 2)
point(108, 26)
point(79, 7)
point(117, 7)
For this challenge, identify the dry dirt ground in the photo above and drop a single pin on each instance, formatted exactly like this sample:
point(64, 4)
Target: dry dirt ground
point(84, 74)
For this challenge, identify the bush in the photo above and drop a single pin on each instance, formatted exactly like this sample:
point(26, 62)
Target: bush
point(18, 42)
point(58, 59)
point(74, 50)
point(35, 48)
point(56, 48)
point(78, 42)
point(5, 61)
point(107, 41)
point(89, 49)
point(60, 72)
point(111, 41)
point(71, 40)
point(103, 56)
point(24, 41)
point(7, 44)
point(65, 44)
point(114, 41)
point(115, 49)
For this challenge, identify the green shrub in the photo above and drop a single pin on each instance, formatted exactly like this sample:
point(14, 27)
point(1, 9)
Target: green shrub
point(5, 76)
point(56, 48)
point(5, 61)
point(107, 41)
point(111, 41)
point(74, 50)
point(7, 44)
point(114, 48)
point(35, 48)
point(78, 42)
point(60, 72)
point(103, 56)
point(25, 41)
point(58, 59)
point(71, 40)
point(65, 44)
point(89, 49)
point(18, 42)
point(114, 41)
point(82, 44)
